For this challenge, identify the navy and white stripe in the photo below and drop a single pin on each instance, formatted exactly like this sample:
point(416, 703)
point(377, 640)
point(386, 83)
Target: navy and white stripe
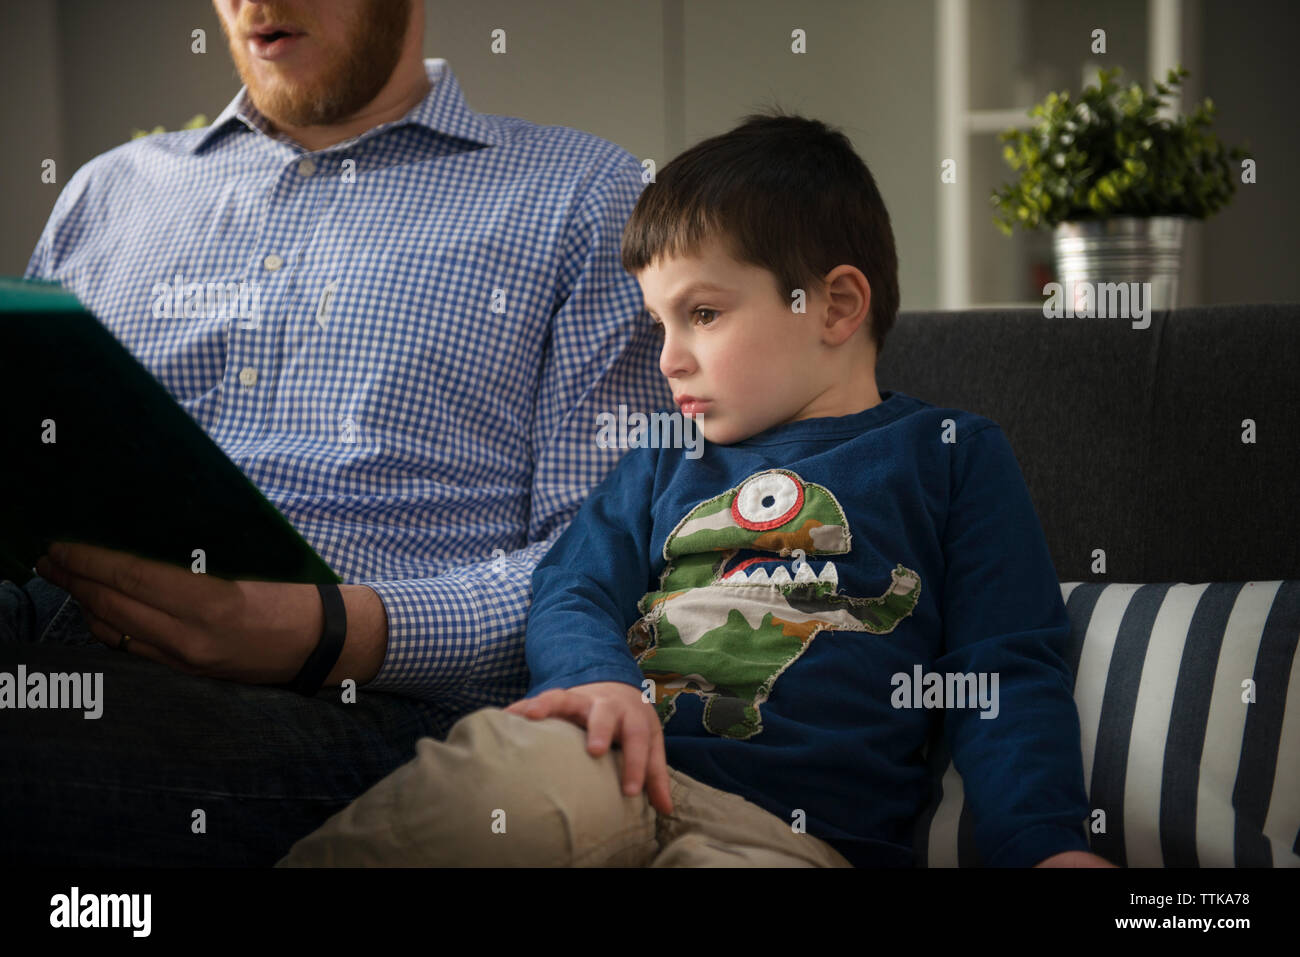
point(1187, 773)
point(445, 289)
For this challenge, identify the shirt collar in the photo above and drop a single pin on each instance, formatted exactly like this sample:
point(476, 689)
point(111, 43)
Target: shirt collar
point(443, 110)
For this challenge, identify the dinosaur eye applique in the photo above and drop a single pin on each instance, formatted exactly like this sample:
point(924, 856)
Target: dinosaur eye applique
point(768, 500)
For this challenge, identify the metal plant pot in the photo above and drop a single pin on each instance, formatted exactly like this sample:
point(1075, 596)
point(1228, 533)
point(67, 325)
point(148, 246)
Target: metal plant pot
point(1124, 249)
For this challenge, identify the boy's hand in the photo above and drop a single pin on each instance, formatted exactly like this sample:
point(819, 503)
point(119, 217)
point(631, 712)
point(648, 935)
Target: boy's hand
point(612, 711)
point(1074, 859)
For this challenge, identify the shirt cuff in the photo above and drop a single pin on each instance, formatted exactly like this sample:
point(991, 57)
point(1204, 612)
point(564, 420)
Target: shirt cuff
point(435, 630)
point(1037, 844)
point(602, 672)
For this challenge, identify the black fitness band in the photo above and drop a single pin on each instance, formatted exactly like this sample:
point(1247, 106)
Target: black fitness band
point(322, 661)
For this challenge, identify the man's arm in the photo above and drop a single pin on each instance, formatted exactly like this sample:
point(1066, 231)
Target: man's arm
point(462, 634)
point(457, 636)
point(1003, 617)
point(251, 631)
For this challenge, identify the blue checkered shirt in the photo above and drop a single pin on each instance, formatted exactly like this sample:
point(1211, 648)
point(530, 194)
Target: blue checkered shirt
point(441, 317)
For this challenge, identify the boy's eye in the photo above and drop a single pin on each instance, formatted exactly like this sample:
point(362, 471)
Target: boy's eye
point(712, 315)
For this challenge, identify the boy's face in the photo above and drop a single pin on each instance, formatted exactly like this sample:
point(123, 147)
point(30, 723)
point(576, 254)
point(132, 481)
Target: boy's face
point(732, 341)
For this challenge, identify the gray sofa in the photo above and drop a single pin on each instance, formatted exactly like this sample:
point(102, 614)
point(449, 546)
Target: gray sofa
point(1178, 547)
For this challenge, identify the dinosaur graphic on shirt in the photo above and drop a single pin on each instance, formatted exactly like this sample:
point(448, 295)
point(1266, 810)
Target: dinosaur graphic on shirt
point(725, 624)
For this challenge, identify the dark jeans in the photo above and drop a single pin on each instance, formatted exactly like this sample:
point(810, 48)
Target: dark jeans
point(177, 770)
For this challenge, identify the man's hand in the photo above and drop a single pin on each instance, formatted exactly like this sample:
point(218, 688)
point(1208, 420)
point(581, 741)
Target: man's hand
point(612, 711)
point(1074, 859)
point(251, 631)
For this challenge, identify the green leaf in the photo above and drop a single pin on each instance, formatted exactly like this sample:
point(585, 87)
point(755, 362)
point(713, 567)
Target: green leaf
point(1135, 167)
point(1110, 153)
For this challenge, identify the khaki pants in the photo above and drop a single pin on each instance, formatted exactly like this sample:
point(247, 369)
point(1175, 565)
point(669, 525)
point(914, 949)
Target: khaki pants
point(504, 791)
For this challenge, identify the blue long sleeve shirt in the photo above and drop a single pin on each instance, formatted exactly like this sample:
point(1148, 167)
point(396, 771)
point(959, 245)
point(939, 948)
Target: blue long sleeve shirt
point(801, 606)
point(440, 312)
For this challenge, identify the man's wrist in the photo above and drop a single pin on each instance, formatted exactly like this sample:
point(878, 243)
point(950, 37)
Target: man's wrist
point(316, 669)
point(367, 638)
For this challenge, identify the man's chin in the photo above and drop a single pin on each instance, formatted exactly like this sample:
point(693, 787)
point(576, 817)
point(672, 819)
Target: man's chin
point(292, 107)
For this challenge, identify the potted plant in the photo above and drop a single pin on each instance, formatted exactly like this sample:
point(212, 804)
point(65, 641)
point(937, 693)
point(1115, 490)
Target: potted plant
point(196, 122)
point(1116, 182)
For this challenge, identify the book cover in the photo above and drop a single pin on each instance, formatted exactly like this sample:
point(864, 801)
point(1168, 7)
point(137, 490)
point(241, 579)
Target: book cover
point(94, 449)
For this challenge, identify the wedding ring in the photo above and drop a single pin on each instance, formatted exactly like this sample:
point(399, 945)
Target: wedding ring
point(121, 645)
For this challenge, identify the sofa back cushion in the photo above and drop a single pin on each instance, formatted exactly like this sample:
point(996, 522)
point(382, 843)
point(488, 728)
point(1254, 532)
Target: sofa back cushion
point(1191, 756)
point(1168, 449)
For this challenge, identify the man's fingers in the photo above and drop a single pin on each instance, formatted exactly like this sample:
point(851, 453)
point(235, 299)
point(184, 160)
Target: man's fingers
point(120, 614)
point(117, 610)
point(139, 647)
point(160, 585)
point(101, 630)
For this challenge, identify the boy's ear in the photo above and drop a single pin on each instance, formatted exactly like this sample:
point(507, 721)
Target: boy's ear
point(848, 304)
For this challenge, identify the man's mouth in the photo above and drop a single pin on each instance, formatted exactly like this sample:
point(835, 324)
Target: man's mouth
point(274, 41)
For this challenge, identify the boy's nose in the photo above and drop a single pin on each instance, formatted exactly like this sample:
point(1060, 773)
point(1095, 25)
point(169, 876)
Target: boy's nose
point(674, 360)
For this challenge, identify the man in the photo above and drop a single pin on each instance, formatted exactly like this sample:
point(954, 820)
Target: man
point(441, 316)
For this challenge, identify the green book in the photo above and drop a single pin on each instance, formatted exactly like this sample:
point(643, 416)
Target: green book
point(94, 449)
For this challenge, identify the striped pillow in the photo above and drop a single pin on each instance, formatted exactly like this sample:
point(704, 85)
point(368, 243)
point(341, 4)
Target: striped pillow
point(1188, 774)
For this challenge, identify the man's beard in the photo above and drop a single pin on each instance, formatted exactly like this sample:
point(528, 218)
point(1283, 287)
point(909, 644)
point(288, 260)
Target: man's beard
point(347, 83)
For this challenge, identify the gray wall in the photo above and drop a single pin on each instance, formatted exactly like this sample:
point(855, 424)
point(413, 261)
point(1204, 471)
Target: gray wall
point(1248, 53)
point(653, 77)
point(869, 70)
point(30, 114)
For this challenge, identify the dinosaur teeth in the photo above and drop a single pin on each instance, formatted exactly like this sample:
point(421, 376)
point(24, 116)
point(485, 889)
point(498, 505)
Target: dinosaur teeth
point(759, 575)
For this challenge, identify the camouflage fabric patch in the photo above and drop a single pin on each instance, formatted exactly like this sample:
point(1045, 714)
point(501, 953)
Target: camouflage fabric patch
point(726, 631)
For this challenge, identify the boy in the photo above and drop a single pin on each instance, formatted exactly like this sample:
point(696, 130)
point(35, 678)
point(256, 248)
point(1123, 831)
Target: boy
point(753, 626)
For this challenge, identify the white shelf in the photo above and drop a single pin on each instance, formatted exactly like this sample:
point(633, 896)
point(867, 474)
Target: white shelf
point(958, 125)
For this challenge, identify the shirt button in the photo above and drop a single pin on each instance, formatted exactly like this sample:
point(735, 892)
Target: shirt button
point(306, 168)
point(273, 262)
point(248, 376)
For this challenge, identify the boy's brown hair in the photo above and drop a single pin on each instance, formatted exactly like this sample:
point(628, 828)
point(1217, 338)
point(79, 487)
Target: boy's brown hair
point(783, 192)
